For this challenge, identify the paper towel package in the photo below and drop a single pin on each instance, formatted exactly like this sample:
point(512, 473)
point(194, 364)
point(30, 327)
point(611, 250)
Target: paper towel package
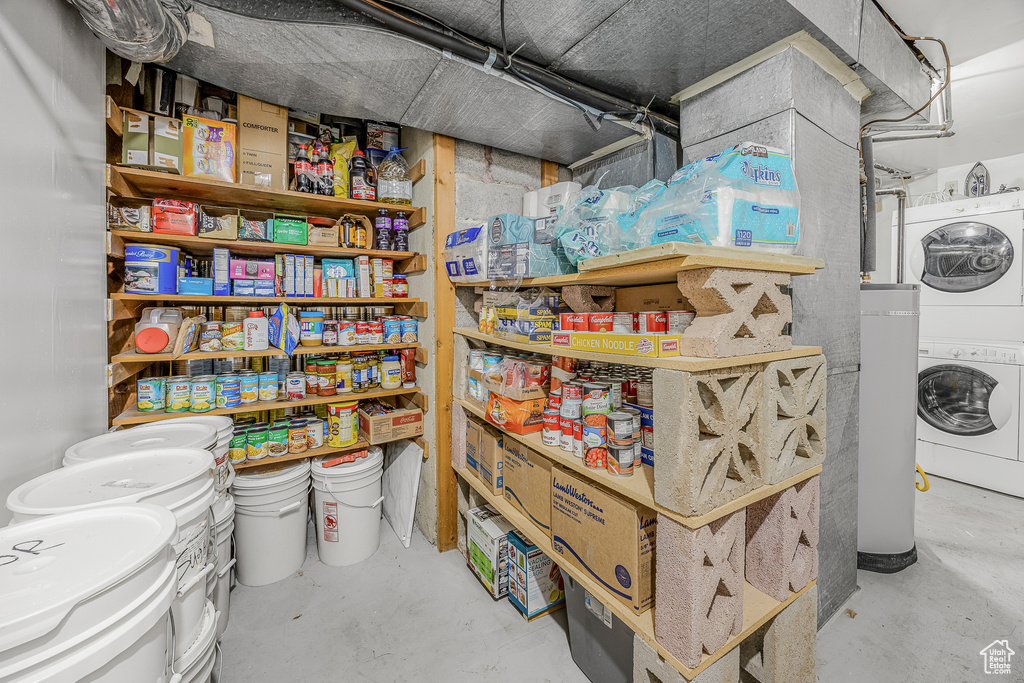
point(548, 201)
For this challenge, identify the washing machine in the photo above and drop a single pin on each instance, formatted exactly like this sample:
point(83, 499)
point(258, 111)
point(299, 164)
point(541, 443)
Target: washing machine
point(968, 412)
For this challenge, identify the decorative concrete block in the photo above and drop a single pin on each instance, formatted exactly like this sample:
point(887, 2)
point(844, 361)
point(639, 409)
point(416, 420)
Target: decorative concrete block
point(793, 432)
point(651, 667)
point(458, 436)
point(739, 312)
point(589, 298)
point(708, 432)
point(782, 651)
point(699, 589)
point(782, 540)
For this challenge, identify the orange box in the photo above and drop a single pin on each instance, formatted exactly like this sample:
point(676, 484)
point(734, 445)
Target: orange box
point(644, 345)
point(208, 148)
point(518, 417)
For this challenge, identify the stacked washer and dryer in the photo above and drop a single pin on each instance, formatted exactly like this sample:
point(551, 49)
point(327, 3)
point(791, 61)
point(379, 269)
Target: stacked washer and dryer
point(968, 258)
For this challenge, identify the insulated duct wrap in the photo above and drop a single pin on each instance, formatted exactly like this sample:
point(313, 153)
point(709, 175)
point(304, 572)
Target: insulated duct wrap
point(139, 30)
point(868, 234)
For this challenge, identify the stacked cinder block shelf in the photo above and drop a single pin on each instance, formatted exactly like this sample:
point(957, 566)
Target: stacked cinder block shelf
point(739, 430)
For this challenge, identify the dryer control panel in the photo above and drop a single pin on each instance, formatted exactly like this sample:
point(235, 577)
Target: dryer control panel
point(1008, 354)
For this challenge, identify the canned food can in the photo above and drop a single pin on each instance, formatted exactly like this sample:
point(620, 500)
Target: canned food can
point(620, 460)
point(314, 433)
point(572, 410)
point(595, 452)
point(631, 383)
point(678, 321)
point(622, 323)
point(410, 331)
point(277, 439)
point(492, 361)
point(601, 322)
point(177, 394)
point(581, 322)
point(249, 384)
point(620, 429)
point(577, 438)
point(565, 438)
point(203, 393)
point(268, 386)
point(555, 399)
point(347, 333)
point(551, 434)
point(614, 390)
point(572, 392)
point(256, 442)
point(567, 322)
point(655, 322)
point(392, 331)
point(645, 393)
point(297, 436)
point(647, 437)
point(295, 386)
point(596, 398)
point(151, 394)
point(343, 424)
point(375, 332)
point(362, 331)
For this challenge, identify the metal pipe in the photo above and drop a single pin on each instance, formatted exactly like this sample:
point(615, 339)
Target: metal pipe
point(906, 175)
point(922, 136)
point(901, 225)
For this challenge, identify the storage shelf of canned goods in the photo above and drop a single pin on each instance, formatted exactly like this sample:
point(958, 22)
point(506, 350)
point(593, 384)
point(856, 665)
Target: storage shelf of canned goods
point(661, 263)
point(406, 261)
point(758, 608)
point(311, 453)
point(638, 487)
point(141, 184)
point(309, 301)
point(134, 416)
point(685, 363)
point(135, 357)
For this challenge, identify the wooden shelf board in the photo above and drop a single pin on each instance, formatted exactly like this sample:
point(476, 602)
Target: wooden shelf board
point(417, 171)
point(661, 263)
point(134, 357)
point(684, 363)
point(206, 245)
point(308, 301)
point(135, 182)
point(291, 457)
point(114, 118)
point(758, 608)
point(133, 416)
point(639, 487)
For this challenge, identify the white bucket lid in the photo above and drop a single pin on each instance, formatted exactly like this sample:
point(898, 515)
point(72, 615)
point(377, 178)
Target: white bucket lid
point(73, 558)
point(222, 423)
point(147, 437)
point(358, 467)
point(160, 476)
point(223, 509)
point(271, 476)
point(194, 656)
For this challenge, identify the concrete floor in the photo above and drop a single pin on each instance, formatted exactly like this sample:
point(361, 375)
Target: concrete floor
point(417, 616)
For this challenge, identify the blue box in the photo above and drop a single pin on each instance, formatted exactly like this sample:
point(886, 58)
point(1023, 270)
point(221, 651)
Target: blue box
point(243, 287)
point(646, 423)
point(265, 288)
point(535, 584)
point(195, 286)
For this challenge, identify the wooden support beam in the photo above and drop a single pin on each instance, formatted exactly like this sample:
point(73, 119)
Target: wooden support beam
point(414, 264)
point(418, 170)
point(422, 402)
point(424, 444)
point(548, 173)
point(124, 309)
point(114, 116)
point(417, 309)
point(421, 355)
point(118, 185)
point(444, 324)
point(119, 372)
point(115, 245)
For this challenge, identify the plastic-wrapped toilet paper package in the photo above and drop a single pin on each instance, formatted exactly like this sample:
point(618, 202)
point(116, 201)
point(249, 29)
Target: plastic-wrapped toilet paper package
point(465, 254)
point(588, 227)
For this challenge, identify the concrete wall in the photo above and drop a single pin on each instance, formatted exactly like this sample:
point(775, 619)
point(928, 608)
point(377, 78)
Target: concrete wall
point(52, 266)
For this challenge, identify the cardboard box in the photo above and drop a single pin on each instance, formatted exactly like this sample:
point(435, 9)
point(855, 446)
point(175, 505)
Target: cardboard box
point(323, 231)
point(487, 541)
point(243, 288)
point(221, 272)
point(490, 459)
point(363, 289)
point(645, 345)
point(535, 584)
point(381, 136)
point(262, 144)
point(289, 274)
point(338, 267)
point(251, 269)
point(496, 384)
point(309, 285)
point(527, 482)
point(174, 217)
point(218, 222)
point(518, 417)
point(209, 148)
point(474, 436)
point(607, 537)
point(135, 137)
point(255, 226)
point(166, 144)
point(195, 286)
point(124, 213)
point(651, 298)
point(536, 337)
point(290, 229)
point(264, 288)
point(398, 424)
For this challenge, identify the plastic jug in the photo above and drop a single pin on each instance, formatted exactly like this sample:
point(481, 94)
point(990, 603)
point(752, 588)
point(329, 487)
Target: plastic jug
point(157, 329)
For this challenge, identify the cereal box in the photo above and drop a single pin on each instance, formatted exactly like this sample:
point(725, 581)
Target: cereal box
point(208, 148)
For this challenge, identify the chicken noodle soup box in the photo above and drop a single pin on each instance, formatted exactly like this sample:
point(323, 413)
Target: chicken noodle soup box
point(526, 478)
point(487, 546)
point(535, 584)
point(606, 537)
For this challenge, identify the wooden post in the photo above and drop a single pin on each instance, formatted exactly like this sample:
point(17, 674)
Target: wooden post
point(548, 173)
point(444, 323)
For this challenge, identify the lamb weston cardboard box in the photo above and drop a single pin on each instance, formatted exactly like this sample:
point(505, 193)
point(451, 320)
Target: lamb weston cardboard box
point(605, 536)
point(527, 482)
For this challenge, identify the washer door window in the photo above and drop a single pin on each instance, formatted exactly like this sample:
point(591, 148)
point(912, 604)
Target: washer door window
point(965, 257)
point(956, 400)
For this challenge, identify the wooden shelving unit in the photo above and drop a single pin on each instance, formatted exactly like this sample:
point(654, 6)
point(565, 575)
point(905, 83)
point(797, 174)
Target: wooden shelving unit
point(292, 457)
point(758, 608)
point(135, 357)
point(307, 300)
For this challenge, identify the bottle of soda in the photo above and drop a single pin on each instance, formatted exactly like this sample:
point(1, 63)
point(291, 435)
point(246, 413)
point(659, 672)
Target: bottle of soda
point(303, 171)
point(326, 172)
point(314, 164)
point(361, 179)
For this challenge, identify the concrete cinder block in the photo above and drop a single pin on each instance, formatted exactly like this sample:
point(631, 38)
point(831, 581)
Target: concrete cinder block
point(493, 165)
point(460, 372)
point(651, 667)
point(782, 540)
point(708, 430)
point(738, 312)
point(458, 436)
point(793, 433)
point(589, 298)
point(782, 651)
point(699, 591)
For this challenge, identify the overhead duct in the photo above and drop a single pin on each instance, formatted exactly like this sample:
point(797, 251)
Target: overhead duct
point(139, 30)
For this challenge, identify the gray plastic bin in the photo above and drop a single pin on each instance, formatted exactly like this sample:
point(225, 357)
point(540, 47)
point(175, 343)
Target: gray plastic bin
point(601, 645)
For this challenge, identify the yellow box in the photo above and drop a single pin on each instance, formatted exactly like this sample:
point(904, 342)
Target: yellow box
point(208, 148)
point(645, 345)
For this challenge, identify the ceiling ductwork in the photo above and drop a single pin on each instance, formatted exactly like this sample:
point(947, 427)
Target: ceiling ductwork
point(139, 30)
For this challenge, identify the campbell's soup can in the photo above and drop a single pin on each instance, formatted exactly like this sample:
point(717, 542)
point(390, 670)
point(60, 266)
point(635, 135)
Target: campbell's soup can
point(622, 323)
point(177, 394)
point(631, 383)
point(620, 460)
point(555, 399)
point(596, 398)
point(577, 438)
point(565, 436)
point(581, 322)
point(567, 321)
point(375, 332)
point(362, 331)
point(652, 322)
point(678, 321)
point(601, 322)
point(572, 392)
point(552, 432)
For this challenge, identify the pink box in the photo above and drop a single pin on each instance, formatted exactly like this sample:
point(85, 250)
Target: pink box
point(251, 269)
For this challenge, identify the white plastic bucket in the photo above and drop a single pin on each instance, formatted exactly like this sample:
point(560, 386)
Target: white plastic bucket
point(196, 665)
point(178, 479)
point(271, 509)
point(166, 434)
point(224, 426)
point(347, 499)
point(86, 596)
point(218, 587)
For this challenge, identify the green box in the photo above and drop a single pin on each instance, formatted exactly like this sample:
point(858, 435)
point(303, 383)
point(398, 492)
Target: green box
point(290, 229)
